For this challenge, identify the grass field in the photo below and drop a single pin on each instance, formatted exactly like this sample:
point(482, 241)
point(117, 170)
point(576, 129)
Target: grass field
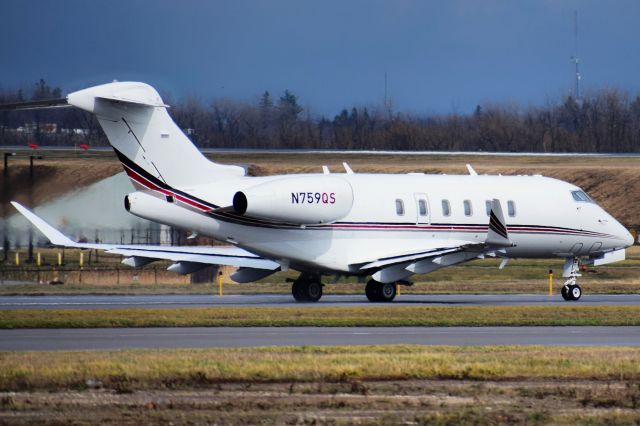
point(328, 385)
point(324, 385)
point(370, 316)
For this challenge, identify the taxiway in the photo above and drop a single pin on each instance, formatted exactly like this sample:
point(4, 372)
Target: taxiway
point(265, 300)
point(218, 337)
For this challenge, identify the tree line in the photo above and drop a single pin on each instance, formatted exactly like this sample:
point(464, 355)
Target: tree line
point(606, 120)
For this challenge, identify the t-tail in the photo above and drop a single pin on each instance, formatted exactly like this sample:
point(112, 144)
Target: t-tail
point(151, 147)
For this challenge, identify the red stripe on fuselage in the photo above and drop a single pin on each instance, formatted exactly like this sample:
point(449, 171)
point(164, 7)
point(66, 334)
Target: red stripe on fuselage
point(418, 227)
point(152, 186)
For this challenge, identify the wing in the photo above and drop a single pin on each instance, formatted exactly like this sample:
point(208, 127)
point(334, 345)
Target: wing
point(187, 259)
point(442, 253)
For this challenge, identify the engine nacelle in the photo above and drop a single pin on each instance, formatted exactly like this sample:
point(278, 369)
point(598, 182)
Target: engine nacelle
point(150, 207)
point(303, 200)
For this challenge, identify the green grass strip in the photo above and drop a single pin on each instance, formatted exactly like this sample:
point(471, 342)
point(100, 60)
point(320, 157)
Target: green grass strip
point(372, 316)
point(188, 368)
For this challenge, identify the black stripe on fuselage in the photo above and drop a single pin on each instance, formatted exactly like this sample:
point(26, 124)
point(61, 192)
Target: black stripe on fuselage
point(406, 226)
point(151, 178)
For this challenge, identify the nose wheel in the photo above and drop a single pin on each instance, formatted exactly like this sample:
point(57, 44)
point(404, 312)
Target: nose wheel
point(571, 291)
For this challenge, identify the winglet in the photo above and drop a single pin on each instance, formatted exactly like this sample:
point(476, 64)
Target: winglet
point(56, 237)
point(471, 171)
point(497, 234)
point(347, 169)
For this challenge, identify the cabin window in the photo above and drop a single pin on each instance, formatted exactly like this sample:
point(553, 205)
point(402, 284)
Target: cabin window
point(487, 206)
point(446, 208)
point(468, 210)
point(581, 196)
point(399, 207)
point(511, 208)
point(422, 207)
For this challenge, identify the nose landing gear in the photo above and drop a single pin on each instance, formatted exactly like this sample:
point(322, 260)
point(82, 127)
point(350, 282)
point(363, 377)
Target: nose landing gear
point(571, 291)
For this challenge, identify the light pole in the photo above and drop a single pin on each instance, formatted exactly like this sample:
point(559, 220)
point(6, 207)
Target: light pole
point(31, 158)
point(5, 199)
point(31, 184)
point(6, 163)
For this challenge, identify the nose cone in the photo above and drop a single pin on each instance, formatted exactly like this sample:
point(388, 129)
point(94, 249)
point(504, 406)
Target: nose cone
point(628, 238)
point(622, 234)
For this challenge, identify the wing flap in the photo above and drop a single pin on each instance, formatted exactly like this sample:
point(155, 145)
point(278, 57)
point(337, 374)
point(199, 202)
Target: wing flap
point(215, 256)
point(448, 246)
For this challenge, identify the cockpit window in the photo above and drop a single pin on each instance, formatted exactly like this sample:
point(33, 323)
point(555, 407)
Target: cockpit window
point(581, 196)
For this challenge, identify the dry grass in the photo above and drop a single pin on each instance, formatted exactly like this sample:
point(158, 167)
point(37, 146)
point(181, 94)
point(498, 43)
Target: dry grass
point(396, 384)
point(370, 316)
point(419, 402)
point(188, 368)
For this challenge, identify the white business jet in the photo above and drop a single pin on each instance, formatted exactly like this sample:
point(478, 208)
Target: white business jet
point(384, 226)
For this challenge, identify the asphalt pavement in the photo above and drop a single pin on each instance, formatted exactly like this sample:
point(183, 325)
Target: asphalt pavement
point(219, 337)
point(265, 300)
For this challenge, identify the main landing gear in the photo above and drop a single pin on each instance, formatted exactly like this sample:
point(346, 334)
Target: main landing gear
point(307, 288)
point(380, 292)
point(571, 291)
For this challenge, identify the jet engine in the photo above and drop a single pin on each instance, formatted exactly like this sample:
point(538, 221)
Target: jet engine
point(303, 200)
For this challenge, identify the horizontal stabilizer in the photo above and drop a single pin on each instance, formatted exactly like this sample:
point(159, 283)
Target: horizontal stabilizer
point(125, 100)
point(42, 104)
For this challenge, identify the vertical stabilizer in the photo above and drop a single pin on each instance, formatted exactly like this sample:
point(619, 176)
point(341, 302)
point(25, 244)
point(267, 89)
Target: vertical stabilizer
point(145, 138)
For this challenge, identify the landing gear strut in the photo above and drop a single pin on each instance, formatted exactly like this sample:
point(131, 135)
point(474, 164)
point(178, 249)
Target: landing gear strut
point(307, 288)
point(571, 291)
point(380, 292)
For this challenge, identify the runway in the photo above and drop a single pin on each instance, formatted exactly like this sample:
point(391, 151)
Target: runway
point(264, 300)
point(203, 337)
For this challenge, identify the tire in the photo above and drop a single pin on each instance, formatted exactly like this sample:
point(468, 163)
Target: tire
point(313, 291)
point(575, 292)
point(306, 291)
point(387, 292)
point(565, 293)
point(297, 290)
point(372, 291)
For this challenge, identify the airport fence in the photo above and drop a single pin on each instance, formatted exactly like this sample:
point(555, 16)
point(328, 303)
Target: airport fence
point(103, 275)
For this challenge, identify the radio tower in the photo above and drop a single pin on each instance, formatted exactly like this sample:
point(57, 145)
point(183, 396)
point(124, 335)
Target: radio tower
point(575, 59)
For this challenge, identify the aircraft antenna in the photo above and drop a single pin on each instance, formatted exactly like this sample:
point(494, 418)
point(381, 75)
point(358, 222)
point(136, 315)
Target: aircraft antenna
point(385, 89)
point(575, 59)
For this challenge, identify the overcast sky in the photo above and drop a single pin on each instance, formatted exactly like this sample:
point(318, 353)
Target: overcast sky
point(440, 56)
